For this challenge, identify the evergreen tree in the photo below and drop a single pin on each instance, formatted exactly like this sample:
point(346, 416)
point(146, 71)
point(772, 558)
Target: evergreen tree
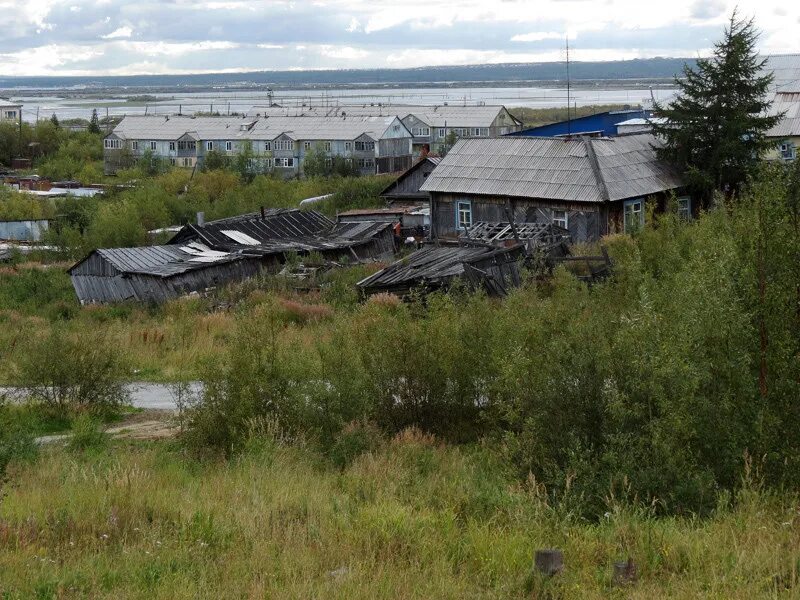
point(715, 127)
point(94, 122)
point(54, 120)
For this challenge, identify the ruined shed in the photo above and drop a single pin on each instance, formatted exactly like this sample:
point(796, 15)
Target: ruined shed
point(157, 273)
point(436, 267)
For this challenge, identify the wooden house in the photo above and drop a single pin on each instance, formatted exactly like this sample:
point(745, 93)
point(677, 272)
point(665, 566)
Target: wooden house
point(589, 186)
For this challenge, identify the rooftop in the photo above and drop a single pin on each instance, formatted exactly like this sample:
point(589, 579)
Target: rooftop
point(570, 169)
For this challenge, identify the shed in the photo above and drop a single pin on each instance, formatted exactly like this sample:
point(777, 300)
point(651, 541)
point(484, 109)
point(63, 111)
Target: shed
point(405, 189)
point(157, 273)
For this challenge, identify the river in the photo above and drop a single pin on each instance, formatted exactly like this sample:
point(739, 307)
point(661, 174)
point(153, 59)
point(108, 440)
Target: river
point(65, 107)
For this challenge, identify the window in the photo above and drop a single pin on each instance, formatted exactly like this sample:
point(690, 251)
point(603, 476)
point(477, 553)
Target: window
point(463, 215)
point(284, 162)
point(268, 163)
point(172, 161)
point(685, 208)
point(112, 144)
point(366, 163)
point(135, 145)
point(480, 132)
point(365, 146)
point(228, 146)
point(172, 146)
point(421, 131)
point(284, 145)
point(633, 215)
point(306, 145)
point(209, 146)
point(560, 218)
point(442, 132)
point(327, 146)
point(153, 146)
point(787, 151)
point(267, 146)
point(348, 146)
point(187, 162)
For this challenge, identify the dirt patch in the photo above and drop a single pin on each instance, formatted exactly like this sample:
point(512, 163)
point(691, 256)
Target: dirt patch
point(146, 425)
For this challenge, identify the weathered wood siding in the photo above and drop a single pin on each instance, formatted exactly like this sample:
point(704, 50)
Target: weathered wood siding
point(584, 220)
point(97, 281)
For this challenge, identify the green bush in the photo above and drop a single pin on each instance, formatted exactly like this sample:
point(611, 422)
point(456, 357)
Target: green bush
point(79, 371)
point(16, 437)
point(87, 434)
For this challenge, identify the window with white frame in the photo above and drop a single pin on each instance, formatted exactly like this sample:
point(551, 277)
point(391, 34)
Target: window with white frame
point(366, 163)
point(209, 146)
point(463, 215)
point(172, 161)
point(633, 215)
point(348, 146)
point(268, 163)
point(284, 162)
point(327, 146)
point(134, 145)
point(442, 132)
point(560, 218)
point(788, 151)
point(684, 208)
point(421, 131)
point(172, 146)
point(284, 145)
point(267, 146)
point(228, 146)
point(187, 162)
point(153, 146)
point(365, 146)
point(306, 145)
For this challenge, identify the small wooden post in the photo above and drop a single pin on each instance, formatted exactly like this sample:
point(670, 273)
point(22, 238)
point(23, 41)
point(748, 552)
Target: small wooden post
point(624, 573)
point(549, 561)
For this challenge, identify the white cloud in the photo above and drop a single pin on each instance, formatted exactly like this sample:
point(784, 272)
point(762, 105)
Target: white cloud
point(342, 52)
point(122, 32)
point(538, 36)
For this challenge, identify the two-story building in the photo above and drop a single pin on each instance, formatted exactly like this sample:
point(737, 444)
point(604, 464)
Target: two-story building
point(273, 144)
point(433, 128)
point(10, 111)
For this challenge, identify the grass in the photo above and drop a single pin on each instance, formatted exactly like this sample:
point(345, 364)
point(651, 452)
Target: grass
point(535, 117)
point(412, 519)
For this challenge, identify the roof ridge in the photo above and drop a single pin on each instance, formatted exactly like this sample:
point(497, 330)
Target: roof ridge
point(598, 173)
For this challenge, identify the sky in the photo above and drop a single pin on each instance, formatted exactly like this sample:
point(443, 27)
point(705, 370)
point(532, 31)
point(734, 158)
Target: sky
point(131, 37)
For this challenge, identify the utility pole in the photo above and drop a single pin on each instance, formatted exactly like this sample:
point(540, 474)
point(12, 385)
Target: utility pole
point(569, 120)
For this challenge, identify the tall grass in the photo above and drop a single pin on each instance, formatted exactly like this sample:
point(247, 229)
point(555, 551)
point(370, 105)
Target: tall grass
point(411, 519)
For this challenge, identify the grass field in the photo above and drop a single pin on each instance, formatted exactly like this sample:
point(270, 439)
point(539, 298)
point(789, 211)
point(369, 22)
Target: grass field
point(412, 519)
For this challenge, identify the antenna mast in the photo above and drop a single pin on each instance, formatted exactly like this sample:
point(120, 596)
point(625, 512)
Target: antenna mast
point(569, 120)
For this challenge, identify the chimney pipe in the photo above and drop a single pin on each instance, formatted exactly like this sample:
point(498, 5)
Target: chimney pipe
point(201, 218)
point(263, 214)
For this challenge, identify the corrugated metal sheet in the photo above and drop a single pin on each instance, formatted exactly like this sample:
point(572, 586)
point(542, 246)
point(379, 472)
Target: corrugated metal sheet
point(789, 126)
point(554, 169)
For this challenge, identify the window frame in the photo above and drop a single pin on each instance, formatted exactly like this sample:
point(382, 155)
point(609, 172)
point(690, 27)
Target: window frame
point(209, 146)
point(458, 206)
point(228, 146)
point(684, 210)
point(153, 146)
point(558, 220)
point(625, 211)
point(787, 150)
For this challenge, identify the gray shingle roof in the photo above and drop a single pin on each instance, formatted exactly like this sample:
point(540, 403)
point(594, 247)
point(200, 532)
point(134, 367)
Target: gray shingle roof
point(554, 168)
point(163, 261)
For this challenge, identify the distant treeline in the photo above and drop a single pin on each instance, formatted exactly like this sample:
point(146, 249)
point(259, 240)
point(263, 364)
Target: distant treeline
point(650, 68)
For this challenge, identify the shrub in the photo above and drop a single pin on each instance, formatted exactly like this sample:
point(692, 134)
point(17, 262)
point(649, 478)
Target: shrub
point(16, 438)
point(354, 440)
point(87, 434)
point(73, 371)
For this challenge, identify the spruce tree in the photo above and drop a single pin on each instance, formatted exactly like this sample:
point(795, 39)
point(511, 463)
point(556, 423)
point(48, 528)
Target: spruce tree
point(714, 129)
point(54, 120)
point(94, 123)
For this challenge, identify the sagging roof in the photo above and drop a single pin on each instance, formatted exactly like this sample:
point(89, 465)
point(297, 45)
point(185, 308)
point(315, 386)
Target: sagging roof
point(432, 267)
point(280, 231)
point(789, 126)
point(252, 229)
point(575, 169)
point(160, 261)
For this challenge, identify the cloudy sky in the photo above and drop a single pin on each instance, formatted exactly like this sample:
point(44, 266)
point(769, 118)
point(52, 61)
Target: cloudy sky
point(121, 37)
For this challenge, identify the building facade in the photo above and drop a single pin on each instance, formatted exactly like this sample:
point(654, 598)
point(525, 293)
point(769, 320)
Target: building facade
point(10, 111)
point(433, 128)
point(271, 144)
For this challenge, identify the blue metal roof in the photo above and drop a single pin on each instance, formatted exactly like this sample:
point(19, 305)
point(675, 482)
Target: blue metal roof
point(604, 124)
